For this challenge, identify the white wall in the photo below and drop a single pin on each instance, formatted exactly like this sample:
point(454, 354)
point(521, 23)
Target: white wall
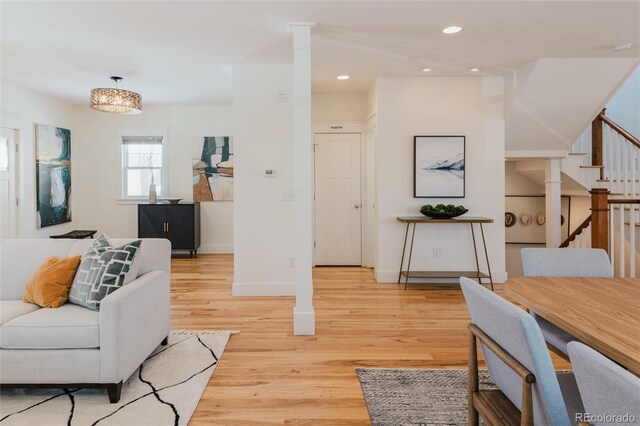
point(95, 168)
point(338, 107)
point(97, 161)
point(518, 184)
point(624, 108)
point(264, 222)
point(24, 109)
point(439, 106)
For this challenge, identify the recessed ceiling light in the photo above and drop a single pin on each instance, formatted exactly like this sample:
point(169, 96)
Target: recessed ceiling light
point(474, 69)
point(343, 77)
point(452, 30)
point(426, 69)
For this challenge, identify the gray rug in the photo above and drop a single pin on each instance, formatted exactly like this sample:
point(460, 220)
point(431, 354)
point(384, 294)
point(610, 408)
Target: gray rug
point(397, 397)
point(164, 391)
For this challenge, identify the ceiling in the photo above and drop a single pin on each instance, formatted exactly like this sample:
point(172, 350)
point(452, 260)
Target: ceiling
point(178, 52)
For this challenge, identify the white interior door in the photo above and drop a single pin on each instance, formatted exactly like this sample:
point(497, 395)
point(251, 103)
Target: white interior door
point(8, 184)
point(338, 210)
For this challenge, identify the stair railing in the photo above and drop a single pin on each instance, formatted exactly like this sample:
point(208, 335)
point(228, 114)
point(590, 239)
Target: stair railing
point(614, 223)
point(624, 244)
point(581, 237)
point(621, 159)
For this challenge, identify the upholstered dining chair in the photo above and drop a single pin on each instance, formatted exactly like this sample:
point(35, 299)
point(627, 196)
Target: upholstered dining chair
point(605, 387)
point(566, 262)
point(518, 361)
point(563, 262)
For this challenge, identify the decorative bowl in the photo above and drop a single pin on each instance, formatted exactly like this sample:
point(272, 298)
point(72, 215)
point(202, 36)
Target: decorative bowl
point(441, 215)
point(173, 200)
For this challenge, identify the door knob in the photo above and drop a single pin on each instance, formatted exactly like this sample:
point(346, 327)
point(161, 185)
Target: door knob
point(357, 206)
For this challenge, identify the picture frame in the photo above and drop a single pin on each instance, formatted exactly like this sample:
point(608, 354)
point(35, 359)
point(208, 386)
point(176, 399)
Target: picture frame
point(439, 166)
point(525, 219)
point(53, 175)
point(212, 169)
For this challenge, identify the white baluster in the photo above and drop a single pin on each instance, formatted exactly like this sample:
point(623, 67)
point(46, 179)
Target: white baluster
point(632, 240)
point(625, 165)
point(634, 161)
point(605, 152)
point(621, 239)
point(610, 166)
point(612, 236)
point(618, 162)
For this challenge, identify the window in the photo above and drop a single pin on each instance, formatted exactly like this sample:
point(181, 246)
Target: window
point(4, 154)
point(142, 160)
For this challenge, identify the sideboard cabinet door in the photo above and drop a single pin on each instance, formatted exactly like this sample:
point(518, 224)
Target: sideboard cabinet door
point(181, 231)
point(151, 220)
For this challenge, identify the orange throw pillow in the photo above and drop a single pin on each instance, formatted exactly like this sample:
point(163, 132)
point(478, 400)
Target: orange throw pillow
point(50, 284)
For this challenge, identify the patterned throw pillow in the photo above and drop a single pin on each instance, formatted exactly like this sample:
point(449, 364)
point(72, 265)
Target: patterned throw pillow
point(104, 269)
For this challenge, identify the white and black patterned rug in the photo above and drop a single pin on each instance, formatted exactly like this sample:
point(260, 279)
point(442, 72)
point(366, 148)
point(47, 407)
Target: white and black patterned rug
point(164, 391)
point(399, 396)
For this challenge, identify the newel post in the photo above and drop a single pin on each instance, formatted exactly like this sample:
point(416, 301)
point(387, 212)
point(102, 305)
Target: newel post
point(600, 218)
point(597, 158)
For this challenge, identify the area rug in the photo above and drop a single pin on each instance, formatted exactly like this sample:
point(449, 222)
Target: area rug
point(165, 390)
point(417, 397)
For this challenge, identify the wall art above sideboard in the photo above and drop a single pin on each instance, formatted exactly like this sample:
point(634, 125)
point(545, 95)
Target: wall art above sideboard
point(213, 169)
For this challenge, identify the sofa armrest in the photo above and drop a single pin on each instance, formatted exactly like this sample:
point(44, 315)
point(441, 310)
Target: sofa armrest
point(133, 321)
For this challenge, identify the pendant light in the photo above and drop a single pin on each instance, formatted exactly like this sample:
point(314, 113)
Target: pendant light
point(116, 100)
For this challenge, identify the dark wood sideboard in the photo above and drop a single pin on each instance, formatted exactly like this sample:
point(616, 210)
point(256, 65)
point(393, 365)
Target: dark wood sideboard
point(179, 223)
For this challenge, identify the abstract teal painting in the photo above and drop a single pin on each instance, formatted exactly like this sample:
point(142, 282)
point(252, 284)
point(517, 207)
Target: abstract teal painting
point(53, 175)
point(213, 169)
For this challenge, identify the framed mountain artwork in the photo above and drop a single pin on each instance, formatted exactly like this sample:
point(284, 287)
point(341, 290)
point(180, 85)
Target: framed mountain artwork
point(53, 175)
point(438, 166)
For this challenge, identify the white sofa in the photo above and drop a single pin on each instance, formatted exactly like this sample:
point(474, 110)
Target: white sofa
point(72, 346)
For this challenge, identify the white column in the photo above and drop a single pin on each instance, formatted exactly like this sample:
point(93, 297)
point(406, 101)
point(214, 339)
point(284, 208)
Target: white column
point(304, 321)
point(552, 186)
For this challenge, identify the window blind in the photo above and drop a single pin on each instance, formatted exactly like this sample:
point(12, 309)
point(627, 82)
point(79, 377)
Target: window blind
point(142, 140)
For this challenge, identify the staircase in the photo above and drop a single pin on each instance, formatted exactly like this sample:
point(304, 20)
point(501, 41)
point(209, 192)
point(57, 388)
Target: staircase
point(614, 224)
point(548, 103)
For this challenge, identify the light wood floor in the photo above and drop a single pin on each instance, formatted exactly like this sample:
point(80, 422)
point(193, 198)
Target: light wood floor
point(269, 376)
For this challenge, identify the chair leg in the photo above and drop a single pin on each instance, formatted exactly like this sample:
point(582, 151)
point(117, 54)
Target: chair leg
point(526, 418)
point(165, 341)
point(114, 390)
point(473, 381)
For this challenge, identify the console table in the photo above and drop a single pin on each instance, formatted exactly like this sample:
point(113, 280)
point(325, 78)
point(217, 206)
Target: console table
point(471, 221)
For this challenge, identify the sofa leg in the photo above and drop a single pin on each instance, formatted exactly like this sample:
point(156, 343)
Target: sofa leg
point(114, 391)
point(165, 341)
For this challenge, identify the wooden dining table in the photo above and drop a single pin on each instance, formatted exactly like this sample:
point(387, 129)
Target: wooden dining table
point(603, 313)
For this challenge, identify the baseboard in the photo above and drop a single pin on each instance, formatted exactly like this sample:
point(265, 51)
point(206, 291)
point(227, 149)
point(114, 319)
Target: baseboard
point(383, 277)
point(215, 248)
point(263, 289)
point(304, 322)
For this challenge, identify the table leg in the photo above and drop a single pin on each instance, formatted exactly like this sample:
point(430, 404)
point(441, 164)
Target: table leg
point(413, 236)
point(475, 252)
point(486, 255)
point(404, 248)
